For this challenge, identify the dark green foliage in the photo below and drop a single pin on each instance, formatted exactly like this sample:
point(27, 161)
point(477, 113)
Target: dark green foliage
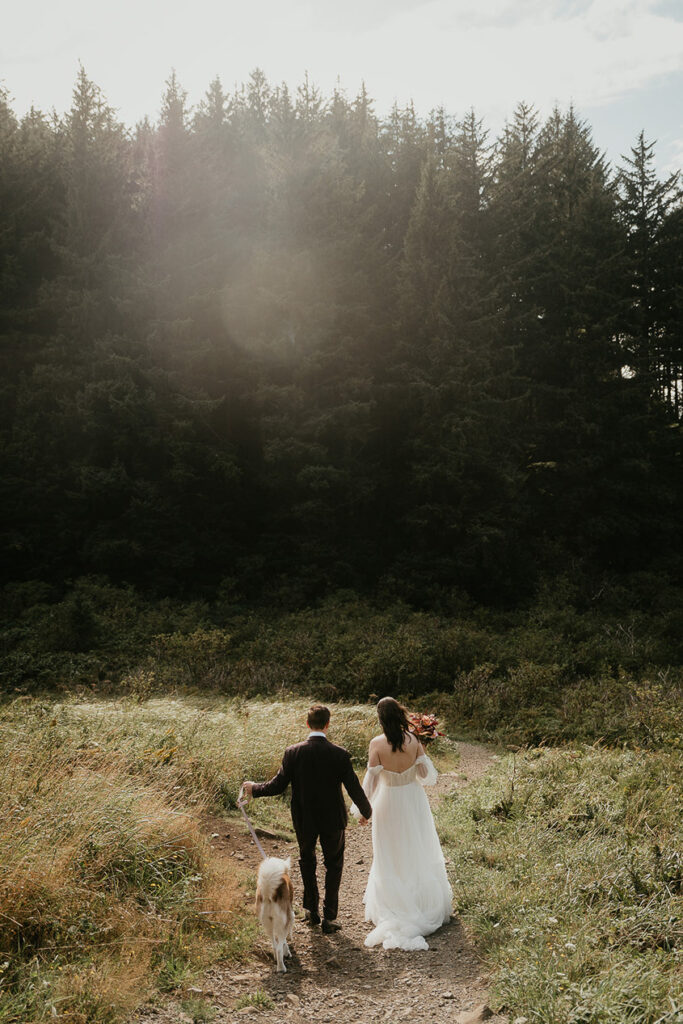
point(274, 346)
point(595, 664)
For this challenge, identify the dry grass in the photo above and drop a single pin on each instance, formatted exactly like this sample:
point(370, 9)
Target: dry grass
point(207, 746)
point(108, 888)
point(567, 866)
point(106, 877)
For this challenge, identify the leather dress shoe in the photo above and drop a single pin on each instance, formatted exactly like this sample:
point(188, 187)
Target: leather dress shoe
point(311, 919)
point(330, 927)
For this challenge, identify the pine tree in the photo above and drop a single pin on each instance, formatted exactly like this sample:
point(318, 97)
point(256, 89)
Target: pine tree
point(647, 208)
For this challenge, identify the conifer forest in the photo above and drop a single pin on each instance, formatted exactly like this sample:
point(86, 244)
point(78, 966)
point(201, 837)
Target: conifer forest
point(273, 346)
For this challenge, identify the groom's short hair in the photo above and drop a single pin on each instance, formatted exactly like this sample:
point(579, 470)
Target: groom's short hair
point(318, 716)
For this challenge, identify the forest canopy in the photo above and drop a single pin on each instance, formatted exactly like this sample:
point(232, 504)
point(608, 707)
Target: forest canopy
point(276, 345)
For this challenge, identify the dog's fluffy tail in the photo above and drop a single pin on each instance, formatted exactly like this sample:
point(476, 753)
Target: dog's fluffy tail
point(270, 876)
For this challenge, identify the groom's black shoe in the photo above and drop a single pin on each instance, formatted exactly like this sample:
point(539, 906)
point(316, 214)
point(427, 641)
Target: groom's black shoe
point(330, 927)
point(311, 919)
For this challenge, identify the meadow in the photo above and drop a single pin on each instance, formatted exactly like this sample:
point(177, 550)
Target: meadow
point(109, 890)
point(567, 869)
point(127, 725)
point(566, 862)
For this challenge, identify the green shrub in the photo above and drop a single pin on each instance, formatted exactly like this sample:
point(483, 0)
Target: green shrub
point(554, 671)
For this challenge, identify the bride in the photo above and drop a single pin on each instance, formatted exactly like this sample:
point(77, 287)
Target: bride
point(408, 895)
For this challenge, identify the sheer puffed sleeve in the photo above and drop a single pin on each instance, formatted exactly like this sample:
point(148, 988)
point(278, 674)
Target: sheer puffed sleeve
point(370, 783)
point(426, 772)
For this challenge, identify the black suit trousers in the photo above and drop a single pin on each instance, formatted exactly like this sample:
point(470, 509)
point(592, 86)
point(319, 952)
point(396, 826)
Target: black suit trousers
point(332, 845)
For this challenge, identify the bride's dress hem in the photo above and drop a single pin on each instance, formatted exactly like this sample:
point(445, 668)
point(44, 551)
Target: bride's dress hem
point(395, 935)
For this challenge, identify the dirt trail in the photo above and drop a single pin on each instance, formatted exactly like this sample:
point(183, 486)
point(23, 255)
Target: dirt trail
point(335, 978)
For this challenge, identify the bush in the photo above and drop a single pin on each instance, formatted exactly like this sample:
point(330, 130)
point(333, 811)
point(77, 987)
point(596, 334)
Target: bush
point(533, 704)
point(551, 672)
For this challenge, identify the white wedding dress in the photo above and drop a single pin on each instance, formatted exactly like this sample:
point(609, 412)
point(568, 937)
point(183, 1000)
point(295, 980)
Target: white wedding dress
point(408, 894)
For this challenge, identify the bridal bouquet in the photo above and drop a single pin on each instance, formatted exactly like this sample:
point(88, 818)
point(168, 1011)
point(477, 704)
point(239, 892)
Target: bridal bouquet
point(424, 727)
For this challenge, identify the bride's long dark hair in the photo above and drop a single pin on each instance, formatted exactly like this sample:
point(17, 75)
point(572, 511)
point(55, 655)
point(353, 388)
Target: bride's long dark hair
point(393, 718)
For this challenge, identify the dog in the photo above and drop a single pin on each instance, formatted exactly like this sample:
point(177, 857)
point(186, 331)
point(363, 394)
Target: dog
point(274, 898)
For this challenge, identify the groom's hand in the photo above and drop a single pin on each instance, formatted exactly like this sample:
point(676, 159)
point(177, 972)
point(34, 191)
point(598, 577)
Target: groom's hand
point(247, 789)
point(363, 820)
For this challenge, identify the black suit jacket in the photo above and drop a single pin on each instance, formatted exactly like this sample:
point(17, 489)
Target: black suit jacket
point(317, 769)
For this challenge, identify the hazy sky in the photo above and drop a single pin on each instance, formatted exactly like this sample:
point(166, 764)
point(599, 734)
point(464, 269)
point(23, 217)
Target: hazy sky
point(619, 61)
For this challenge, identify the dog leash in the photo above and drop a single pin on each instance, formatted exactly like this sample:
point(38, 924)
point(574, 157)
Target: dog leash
point(241, 804)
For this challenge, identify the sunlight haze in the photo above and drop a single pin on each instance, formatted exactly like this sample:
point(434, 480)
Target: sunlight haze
point(619, 61)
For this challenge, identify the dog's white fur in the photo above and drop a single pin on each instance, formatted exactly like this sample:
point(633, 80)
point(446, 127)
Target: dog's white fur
point(274, 896)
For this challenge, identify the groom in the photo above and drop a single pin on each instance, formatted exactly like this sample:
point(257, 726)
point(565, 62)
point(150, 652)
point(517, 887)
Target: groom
point(317, 769)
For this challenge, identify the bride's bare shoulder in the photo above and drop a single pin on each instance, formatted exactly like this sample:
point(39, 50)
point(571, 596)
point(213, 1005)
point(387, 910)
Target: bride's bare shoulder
point(374, 751)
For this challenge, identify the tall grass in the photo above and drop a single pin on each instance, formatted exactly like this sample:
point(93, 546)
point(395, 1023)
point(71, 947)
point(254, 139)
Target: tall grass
point(204, 746)
point(108, 887)
point(568, 867)
point(566, 863)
